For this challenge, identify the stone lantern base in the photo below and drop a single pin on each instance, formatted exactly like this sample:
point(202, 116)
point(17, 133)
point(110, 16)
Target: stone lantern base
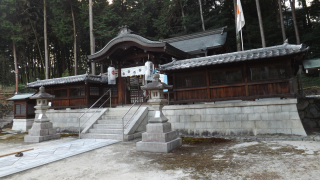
point(159, 138)
point(41, 131)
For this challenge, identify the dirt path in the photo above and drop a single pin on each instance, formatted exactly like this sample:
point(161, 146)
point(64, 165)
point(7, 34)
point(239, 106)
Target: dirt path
point(225, 160)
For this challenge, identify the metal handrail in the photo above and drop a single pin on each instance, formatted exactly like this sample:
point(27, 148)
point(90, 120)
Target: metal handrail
point(136, 111)
point(95, 111)
point(128, 112)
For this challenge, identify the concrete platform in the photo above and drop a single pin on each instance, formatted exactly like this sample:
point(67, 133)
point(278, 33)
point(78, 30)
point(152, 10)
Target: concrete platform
point(31, 159)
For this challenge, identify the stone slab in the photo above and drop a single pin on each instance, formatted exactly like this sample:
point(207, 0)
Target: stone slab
point(34, 158)
point(163, 147)
point(22, 124)
point(159, 137)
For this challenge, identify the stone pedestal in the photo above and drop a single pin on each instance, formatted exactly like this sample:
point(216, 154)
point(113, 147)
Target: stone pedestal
point(42, 129)
point(22, 125)
point(159, 138)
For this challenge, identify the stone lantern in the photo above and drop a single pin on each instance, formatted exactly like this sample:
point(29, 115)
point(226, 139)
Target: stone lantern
point(42, 129)
point(159, 136)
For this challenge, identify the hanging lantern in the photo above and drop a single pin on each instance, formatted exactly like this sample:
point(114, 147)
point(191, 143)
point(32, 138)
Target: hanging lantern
point(149, 71)
point(111, 75)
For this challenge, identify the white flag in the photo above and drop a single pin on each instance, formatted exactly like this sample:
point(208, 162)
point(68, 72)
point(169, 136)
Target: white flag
point(240, 17)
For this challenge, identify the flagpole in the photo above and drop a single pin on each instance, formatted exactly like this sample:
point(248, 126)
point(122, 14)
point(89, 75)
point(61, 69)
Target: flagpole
point(241, 39)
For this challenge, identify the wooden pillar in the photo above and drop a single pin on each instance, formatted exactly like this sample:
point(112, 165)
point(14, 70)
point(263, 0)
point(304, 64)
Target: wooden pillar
point(208, 84)
point(121, 89)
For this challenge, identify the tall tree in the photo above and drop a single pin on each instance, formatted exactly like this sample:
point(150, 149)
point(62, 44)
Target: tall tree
point(74, 40)
point(263, 41)
point(296, 30)
point(92, 40)
point(46, 55)
point(283, 30)
point(201, 14)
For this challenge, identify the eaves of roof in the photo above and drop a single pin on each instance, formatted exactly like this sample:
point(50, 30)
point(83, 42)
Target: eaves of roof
point(69, 79)
point(274, 51)
point(20, 96)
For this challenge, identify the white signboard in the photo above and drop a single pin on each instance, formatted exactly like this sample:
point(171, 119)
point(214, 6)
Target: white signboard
point(133, 71)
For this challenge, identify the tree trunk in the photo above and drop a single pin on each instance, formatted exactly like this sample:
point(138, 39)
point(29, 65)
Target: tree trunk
point(284, 36)
point(182, 12)
point(15, 65)
point(304, 5)
point(201, 15)
point(296, 30)
point(261, 24)
point(238, 41)
point(92, 41)
point(45, 39)
point(74, 42)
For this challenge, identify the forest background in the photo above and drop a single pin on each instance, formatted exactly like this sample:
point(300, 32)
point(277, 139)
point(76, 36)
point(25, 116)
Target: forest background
point(22, 27)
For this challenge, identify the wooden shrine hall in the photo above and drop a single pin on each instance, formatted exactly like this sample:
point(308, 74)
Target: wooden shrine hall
point(128, 53)
point(199, 66)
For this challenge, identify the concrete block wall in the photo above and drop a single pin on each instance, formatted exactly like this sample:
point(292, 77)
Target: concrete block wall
point(239, 118)
point(67, 120)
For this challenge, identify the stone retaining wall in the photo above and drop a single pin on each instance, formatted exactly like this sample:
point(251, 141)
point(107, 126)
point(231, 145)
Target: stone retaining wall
point(240, 118)
point(309, 112)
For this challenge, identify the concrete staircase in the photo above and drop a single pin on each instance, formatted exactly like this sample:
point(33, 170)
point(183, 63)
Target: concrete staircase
point(109, 125)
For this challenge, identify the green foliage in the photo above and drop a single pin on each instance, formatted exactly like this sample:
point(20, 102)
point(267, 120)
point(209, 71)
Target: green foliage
point(65, 74)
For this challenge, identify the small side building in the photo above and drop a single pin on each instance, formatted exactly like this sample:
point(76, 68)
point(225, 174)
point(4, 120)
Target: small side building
point(77, 92)
point(23, 111)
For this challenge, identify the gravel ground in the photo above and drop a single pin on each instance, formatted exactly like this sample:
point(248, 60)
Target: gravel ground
point(202, 160)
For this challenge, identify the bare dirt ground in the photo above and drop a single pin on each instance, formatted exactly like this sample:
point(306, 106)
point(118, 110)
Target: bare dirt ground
point(212, 159)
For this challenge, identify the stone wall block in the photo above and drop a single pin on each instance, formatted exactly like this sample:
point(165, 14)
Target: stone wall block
point(247, 124)
point(189, 111)
point(266, 131)
point(281, 116)
point(217, 117)
point(299, 131)
point(174, 118)
point(235, 125)
point(264, 116)
point(179, 126)
point(211, 110)
point(220, 111)
point(241, 117)
point(289, 108)
point(190, 125)
point(260, 109)
point(211, 125)
point(184, 119)
point(201, 125)
point(195, 117)
point(294, 124)
point(232, 110)
point(200, 111)
point(168, 112)
point(206, 118)
point(223, 125)
point(274, 108)
point(294, 115)
point(247, 110)
point(230, 117)
point(255, 116)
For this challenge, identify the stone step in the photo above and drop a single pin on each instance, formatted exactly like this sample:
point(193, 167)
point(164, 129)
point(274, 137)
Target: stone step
point(108, 121)
point(106, 131)
point(101, 136)
point(107, 126)
point(116, 117)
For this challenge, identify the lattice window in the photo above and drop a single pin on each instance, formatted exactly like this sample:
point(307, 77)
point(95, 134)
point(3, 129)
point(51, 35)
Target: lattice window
point(78, 91)
point(20, 109)
point(226, 77)
point(270, 72)
point(94, 91)
point(191, 81)
point(61, 93)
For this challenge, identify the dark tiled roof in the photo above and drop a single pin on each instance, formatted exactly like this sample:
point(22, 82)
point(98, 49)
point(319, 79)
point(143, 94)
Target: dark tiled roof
point(197, 41)
point(311, 63)
point(70, 79)
point(138, 39)
point(274, 51)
